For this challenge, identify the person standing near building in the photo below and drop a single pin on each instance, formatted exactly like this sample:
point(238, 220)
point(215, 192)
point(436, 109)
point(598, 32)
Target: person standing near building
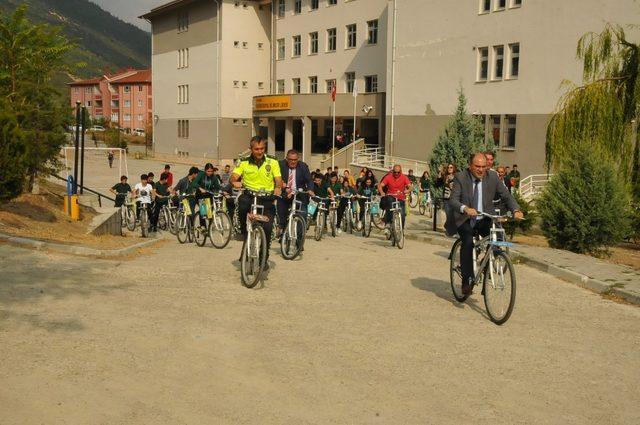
point(110, 158)
point(167, 170)
point(515, 176)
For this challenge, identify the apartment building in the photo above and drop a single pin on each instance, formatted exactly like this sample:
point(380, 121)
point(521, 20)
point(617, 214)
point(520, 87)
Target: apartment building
point(510, 57)
point(123, 98)
point(210, 58)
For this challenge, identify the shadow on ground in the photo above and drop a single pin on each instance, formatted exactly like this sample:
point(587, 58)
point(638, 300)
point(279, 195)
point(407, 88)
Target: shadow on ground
point(442, 290)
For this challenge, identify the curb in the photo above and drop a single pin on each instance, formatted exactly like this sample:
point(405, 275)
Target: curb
point(559, 272)
point(73, 249)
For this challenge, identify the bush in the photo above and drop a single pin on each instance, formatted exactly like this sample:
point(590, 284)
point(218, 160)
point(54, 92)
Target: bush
point(13, 167)
point(585, 207)
point(524, 226)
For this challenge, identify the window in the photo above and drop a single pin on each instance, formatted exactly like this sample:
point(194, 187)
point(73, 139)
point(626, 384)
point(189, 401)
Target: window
point(314, 4)
point(127, 117)
point(140, 117)
point(483, 63)
point(510, 131)
point(237, 4)
point(260, 85)
point(485, 6)
point(88, 103)
point(280, 86)
point(332, 2)
point(127, 89)
point(373, 32)
point(140, 86)
point(495, 129)
point(349, 80)
point(501, 4)
point(498, 58)
point(516, 3)
point(313, 84)
point(297, 6)
point(183, 129)
point(351, 36)
point(244, 123)
point(330, 84)
point(183, 61)
point(313, 43)
point(139, 103)
point(245, 84)
point(280, 44)
point(245, 45)
point(281, 8)
point(114, 117)
point(297, 46)
point(296, 85)
point(514, 54)
point(331, 40)
point(183, 94)
point(76, 90)
point(127, 103)
point(371, 84)
point(236, 121)
point(236, 44)
point(236, 84)
point(260, 46)
point(183, 21)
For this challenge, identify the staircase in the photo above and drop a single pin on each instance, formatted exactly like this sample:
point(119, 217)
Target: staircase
point(375, 158)
point(531, 186)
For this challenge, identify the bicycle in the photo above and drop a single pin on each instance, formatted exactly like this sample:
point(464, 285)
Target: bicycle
point(128, 213)
point(426, 204)
point(492, 266)
point(292, 240)
point(348, 219)
point(396, 231)
point(370, 209)
point(321, 217)
point(167, 217)
point(254, 250)
point(413, 197)
point(184, 222)
point(333, 217)
point(219, 229)
point(376, 217)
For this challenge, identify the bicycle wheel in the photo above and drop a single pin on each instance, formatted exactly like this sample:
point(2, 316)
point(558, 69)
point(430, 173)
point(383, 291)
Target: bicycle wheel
point(123, 216)
point(422, 208)
point(144, 223)
point(183, 223)
point(499, 286)
point(220, 230)
point(398, 232)
point(253, 257)
point(162, 219)
point(455, 271)
point(174, 216)
point(319, 229)
point(131, 219)
point(200, 230)
point(333, 223)
point(366, 226)
point(292, 238)
point(430, 210)
point(350, 221)
point(413, 199)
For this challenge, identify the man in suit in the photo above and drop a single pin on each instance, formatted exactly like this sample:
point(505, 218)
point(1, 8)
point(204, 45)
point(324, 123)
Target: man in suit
point(295, 175)
point(474, 190)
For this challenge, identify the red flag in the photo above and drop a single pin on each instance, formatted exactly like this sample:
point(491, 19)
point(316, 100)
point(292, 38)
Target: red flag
point(333, 92)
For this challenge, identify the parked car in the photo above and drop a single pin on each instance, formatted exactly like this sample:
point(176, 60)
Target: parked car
point(97, 128)
point(138, 132)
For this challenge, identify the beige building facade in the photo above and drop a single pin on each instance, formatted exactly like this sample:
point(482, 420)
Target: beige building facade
point(510, 57)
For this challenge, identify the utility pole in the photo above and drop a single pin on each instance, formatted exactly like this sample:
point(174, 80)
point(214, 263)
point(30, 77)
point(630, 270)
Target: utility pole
point(77, 142)
point(84, 113)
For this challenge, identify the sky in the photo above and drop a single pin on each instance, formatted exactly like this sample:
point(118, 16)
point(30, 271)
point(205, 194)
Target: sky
point(129, 10)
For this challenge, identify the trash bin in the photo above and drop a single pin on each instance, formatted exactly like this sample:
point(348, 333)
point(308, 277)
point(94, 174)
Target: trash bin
point(72, 207)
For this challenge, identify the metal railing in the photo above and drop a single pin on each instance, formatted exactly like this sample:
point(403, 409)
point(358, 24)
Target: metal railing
point(375, 158)
point(98, 194)
point(531, 186)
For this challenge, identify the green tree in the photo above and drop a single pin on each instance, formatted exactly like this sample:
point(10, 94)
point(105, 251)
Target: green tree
point(603, 111)
point(462, 136)
point(12, 155)
point(30, 55)
point(585, 207)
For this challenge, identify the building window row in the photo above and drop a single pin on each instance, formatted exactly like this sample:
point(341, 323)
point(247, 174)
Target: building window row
point(297, 6)
point(488, 6)
point(183, 129)
point(245, 45)
point(351, 40)
point(183, 21)
point(183, 59)
point(501, 129)
point(183, 94)
point(370, 82)
point(505, 62)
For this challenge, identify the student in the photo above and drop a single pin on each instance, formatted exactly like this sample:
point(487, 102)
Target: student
point(143, 192)
point(368, 189)
point(161, 196)
point(120, 190)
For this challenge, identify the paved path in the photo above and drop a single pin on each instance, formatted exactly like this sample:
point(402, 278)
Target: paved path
point(354, 332)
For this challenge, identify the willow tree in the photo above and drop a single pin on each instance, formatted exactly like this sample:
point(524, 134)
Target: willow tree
point(603, 111)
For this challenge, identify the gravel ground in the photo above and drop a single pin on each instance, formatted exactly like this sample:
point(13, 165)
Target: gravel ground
point(353, 332)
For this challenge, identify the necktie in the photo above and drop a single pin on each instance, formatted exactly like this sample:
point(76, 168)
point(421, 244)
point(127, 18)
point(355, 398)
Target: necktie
point(290, 180)
point(475, 200)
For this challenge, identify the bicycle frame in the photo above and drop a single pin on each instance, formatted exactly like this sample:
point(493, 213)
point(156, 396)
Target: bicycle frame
point(488, 245)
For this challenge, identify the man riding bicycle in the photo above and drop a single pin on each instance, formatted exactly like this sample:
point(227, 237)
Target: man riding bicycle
point(258, 172)
point(394, 185)
point(189, 186)
point(161, 196)
point(474, 190)
point(295, 176)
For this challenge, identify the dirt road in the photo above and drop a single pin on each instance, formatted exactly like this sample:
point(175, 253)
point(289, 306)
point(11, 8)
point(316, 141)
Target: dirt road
point(354, 332)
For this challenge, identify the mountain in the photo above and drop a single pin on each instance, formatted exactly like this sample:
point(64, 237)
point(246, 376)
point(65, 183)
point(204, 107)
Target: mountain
point(129, 10)
point(104, 42)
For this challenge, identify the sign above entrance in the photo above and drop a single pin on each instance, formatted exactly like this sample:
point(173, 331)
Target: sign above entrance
point(272, 103)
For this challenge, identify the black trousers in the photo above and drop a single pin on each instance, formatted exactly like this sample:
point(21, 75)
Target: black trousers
point(342, 206)
point(386, 203)
point(285, 204)
point(244, 207)
point(157, 207)
point(466, 232)
point(149, 211)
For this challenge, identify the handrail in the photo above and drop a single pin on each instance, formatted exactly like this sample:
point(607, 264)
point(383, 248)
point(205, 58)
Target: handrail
point(100, 195)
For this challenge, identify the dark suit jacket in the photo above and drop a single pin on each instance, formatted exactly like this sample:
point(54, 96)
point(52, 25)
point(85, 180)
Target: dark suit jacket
point(303, 175)
point(462, 194)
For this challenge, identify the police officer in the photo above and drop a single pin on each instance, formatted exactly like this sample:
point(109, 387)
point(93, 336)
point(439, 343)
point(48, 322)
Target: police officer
point(257, 172)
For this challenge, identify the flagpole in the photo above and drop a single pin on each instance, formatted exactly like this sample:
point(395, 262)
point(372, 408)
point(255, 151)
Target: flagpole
point(333, 143)
point(355, 101)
